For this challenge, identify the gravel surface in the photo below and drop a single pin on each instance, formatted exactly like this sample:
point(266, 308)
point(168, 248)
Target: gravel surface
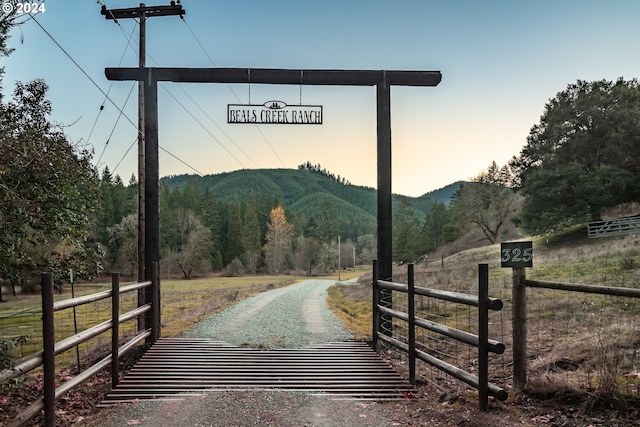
point(291, 317)
point(255, 408)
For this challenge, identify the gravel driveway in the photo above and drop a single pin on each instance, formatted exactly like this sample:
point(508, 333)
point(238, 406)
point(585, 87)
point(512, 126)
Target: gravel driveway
point(290, 317)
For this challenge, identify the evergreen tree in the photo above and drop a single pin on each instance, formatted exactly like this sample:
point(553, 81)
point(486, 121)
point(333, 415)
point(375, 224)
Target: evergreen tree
point(234, 233)
point(251, 236)
point(328, 227)
point(434, 230)
point(406, 233)
point(217, 264)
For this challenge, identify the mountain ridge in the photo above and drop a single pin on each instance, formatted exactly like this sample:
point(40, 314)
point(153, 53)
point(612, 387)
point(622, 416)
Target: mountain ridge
point(305, 191)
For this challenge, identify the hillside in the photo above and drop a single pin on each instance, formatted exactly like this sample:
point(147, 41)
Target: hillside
point(444, 194)
point(305, 191)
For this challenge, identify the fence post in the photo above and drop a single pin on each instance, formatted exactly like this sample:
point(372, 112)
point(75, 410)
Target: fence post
point(376, 312)
point(155, 303)
point(483, 336)
point(48, 350)
point(412, 324)
point(115, 328)
point(519, 296)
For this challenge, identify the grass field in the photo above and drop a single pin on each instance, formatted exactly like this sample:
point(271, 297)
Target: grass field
point(183, 302)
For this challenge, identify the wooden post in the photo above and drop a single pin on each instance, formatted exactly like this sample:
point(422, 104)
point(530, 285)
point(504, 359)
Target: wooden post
point(385, 225)
point(48, 350)
point(115, 328)
point(376, 300)
point(411, 324)
point(519, 296)
point(483, 336)
point(152, 178)
point(155, 304)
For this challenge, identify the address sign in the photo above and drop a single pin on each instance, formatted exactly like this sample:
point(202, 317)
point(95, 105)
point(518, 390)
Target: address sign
point(274, 112)
point(516, 254)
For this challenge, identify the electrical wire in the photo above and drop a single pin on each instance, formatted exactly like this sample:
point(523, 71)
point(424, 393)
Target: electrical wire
point(101, 109)
point(85, 73)
point(233, 92)
point(109, 91)
point(203, 126)
point(115, 124)
point(125, 154)
point(216, 124)
point(187, 110)
point(139, 131)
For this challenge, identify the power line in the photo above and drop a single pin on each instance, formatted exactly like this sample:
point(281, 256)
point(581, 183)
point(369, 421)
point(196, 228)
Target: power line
point(108, 92)
point(140, 131)
point(182, 161)
point(115, 124)
point(234, 94)
point(125, 154)
point(84, 72)
point(203, 126)
point(218, 126)
point(109, 11)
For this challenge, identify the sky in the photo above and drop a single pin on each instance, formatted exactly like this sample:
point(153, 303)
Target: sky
point(501, 62)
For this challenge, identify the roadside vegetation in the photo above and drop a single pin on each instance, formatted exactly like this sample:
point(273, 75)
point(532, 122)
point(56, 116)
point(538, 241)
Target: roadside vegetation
point(583, 349)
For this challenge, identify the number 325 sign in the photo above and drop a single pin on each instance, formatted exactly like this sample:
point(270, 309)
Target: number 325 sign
point(516, 254)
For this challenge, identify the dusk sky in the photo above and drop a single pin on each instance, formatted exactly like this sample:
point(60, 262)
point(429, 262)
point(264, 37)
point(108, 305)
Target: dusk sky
point(501, 61)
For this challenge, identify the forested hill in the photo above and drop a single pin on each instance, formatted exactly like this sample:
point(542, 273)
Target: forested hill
point(304, 191)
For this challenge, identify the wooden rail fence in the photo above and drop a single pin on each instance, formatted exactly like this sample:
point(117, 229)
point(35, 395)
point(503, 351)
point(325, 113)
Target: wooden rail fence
point(520, 283)
point(46, 357)
point(614, 227)
point(481, 341)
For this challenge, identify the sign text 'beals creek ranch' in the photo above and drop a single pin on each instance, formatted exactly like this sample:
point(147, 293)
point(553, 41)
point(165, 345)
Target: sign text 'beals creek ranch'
point(275, 112)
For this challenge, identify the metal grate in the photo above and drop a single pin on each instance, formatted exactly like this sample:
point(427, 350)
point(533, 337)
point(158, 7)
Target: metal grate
point(173, 367)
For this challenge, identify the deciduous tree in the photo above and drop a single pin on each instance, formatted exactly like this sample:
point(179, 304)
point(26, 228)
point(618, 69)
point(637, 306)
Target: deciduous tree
point(278, 241)
point(486, 202)
point(583, 156)
point(194, 251)
point(48, 186)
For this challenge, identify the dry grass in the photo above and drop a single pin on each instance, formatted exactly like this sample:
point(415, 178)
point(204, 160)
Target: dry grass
point(578, 344)
point(184, 303)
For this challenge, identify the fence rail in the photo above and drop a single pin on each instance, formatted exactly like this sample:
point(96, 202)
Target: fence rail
point(481, 341)
point(520, 283)
point(46, 357)
point(614, 227)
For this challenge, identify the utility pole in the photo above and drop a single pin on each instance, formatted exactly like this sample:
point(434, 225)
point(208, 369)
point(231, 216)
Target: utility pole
point(338, 257)
point(142, 13)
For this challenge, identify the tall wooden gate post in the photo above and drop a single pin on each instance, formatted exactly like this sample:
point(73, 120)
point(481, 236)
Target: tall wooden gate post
point(385, 256)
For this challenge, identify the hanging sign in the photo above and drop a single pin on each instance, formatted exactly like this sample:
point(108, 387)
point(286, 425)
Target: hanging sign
point(275, 112)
